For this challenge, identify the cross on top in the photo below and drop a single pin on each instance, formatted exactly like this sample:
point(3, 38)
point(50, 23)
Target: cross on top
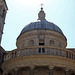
point(41, 5)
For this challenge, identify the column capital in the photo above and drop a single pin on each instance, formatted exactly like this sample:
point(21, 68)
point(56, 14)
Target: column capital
point(51, 66)
point(32, 66)
point(66, 69)
point(16, 69)
point(32, 69)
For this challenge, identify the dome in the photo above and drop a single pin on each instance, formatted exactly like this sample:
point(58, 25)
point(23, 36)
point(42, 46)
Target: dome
point(42, 24)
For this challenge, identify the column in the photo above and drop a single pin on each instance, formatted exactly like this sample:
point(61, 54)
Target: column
point(74, 72)
point(16, 72)
point(5, 74)
point(51, 70)
point(0, 73)
point(32, 70)
point(66, 71)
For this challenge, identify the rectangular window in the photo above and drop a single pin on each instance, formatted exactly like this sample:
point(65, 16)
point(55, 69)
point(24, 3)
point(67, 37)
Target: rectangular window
point(43, 50)
point(41, 44)
point(39, 50)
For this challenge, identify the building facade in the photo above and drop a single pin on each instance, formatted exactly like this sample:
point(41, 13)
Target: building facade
point(3, 11)
point(41, 50)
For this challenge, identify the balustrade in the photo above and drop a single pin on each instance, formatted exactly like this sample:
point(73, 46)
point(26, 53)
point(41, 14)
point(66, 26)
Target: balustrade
point(40, 51)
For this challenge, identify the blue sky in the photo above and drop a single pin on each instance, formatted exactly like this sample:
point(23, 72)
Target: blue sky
point(22, 12)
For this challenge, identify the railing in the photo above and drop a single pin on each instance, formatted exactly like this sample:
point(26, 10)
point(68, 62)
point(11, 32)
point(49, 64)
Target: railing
point(40, 51)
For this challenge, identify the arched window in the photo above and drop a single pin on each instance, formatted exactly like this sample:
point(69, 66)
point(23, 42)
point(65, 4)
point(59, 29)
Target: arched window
point(41, 42)
point(31, 42)
point(52, 42)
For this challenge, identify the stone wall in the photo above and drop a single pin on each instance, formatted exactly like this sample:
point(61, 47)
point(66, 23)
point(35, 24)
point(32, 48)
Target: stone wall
point(1, 57)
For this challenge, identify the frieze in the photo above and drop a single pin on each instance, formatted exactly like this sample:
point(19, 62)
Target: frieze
point(45, 34)
point(40, 62)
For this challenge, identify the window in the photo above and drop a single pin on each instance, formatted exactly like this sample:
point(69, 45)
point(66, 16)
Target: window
point(41, 42)
point(31, 43)
point(43, 50)
point(52, 42)
point(39, 50)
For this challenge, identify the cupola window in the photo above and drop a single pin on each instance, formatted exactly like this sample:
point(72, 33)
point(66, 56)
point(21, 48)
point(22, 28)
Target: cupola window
point(31, 42)
point(41, 42)
point(41, 50)
point(52, 42)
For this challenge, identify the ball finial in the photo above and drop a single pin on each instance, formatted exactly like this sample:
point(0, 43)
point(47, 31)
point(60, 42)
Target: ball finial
point(41, 14)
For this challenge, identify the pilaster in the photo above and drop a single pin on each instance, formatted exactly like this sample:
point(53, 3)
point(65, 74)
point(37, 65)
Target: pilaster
point(5, 73)
point(0, 73)
point(32, 70)
point(66, 71)
point(16, 72)
point(51, 70)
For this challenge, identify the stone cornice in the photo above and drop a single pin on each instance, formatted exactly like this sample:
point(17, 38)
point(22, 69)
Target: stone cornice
point(39, 60)
point(35, 33)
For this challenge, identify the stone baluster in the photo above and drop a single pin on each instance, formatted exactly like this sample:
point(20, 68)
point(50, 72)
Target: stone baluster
point(66, 71)
point(31, 70)
point(16, 72)
point(51, 70)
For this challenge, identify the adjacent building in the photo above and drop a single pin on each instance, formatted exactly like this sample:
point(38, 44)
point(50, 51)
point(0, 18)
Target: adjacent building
point(3, 11)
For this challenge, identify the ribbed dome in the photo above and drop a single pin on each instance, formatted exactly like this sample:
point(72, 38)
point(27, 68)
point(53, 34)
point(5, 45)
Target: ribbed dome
point(41, 24)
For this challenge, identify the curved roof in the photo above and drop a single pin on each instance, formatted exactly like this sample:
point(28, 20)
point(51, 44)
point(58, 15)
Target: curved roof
point(41, 24)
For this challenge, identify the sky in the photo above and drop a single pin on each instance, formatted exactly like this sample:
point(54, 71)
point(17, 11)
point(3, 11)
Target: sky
point(22, 12)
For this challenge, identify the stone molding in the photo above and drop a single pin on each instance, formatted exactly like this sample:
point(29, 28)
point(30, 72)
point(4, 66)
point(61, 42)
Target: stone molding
point(66, 69)
point(51, 66)
point(31, 66)
point(36, 34)
point(46, 33)
point(38, 61)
